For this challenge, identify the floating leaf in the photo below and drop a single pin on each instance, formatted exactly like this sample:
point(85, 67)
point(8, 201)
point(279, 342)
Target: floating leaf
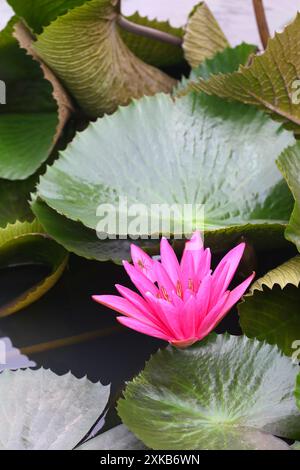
point(268, 81)
point(224, 393)
point(270, 312)
point(203, 37)
point(296, 446)
point(86, 52)
point(82, 241)
point(29, 119)
point(289, 164)
point(118, 438)
point(24, 243)
point(171, 160)
point(41, 411)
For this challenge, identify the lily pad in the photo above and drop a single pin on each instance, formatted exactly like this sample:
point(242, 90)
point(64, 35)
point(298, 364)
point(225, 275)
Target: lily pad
point(40, 410)
point(29, 119)
point(26, 243)
point(270, 312)
point(289, 164)
point(226, 393)
point(87, 53)
point(14, 200)
point(197, 151)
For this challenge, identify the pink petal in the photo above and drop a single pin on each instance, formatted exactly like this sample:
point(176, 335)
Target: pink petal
point(141, 282)
point(164, 282)
point(238, 292)
point(168, 314)
point(213, 317)
point(143, 328)
point(228, 266)
point(142, 262)
point(139, 302)
point(121, 305)
point(169, 261)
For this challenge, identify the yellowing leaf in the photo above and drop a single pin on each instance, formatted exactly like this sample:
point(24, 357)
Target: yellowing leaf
point(269, 82)
point(203, 37)
point(85, 50)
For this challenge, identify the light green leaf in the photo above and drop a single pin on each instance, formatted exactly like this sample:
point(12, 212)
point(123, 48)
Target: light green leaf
point(226, 393)
point(270, 311)
point(26, 243)
point(82, 241)
point(41, 411)
point(118, 438)
point(171, 160)
point(269, 81)
point(289, 165)
point(296, 446)
point(29, 120)
point(203, 37)
point(85, 50)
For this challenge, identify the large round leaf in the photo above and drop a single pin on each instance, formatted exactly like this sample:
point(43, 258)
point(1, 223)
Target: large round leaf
point(41, 411)
point(196, 151)
point(28, 120)
point(289, 164)
point(118, 438)
point(223, 393)
point(14, 196)
point(270, 311)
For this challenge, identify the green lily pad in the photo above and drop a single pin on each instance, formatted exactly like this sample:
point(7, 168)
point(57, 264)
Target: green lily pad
point(296, 446)
point(297, 392)
point(40, 410)
point(14, 200)
point(29, 120)
point(289, 164)
point(172, 160)
point(94, 64)
point(26, 243)
point(270, 311)
point(226, 393)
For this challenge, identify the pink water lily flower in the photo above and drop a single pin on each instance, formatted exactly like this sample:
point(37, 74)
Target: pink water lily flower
point(180, 302)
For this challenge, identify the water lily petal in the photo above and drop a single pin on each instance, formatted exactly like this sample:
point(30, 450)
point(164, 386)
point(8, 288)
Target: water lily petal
point(143, 328)
point(121, 305)
point(142, 262)
point(141, 282)
point(169, 261)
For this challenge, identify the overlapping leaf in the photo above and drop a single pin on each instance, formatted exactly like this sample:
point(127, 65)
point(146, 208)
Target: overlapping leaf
point(203, 36)
point(29, 119)
point(226, 393)
point(24, 243)
point(197, 151)
point(85, 50)
point(289, 164)
point(40, 410)
point(270, 312)
point(269, 82)
point(14, 200)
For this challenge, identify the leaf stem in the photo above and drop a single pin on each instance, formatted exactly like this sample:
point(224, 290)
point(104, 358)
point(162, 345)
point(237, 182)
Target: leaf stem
point(148, 32)
point(261, 21)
